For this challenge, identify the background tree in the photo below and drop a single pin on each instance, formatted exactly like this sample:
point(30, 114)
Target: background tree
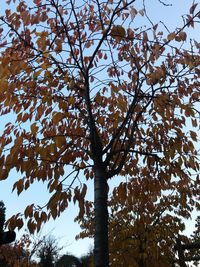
point(87, 260)
point(47, 251)
point(17, 254)
point(93, 92)
point(194, 240)
point(31, 251)
point(68, 260)
point(145, 218)
point(196, 234)
point(6, 237)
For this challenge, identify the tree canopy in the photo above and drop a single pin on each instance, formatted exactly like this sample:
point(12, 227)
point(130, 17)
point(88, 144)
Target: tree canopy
point(93, 95)
point(144, 222)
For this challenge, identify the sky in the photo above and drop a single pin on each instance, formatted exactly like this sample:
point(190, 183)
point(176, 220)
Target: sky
point(64, 227)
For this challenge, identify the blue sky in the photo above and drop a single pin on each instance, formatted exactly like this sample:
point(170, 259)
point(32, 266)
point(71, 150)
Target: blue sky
point(64, 228)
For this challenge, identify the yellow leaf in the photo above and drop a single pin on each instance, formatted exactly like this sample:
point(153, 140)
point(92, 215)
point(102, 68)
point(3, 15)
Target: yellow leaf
point(45, 65)
point(171, 36)
point(46, 54)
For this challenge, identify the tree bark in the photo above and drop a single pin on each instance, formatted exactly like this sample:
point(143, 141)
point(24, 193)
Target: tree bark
point(101, 250)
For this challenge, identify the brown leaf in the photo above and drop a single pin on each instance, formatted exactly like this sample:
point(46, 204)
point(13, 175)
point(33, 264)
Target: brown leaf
point(192, 8)
point(118, 31)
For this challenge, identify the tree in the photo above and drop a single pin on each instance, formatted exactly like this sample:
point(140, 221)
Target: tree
point(87, 259)
point(17, 254)
point(8, 236)
point(196, 234)
point(95, 95)
point(29, 249)
point(193, 254)
point(47, 251)
point(68, 261)
point(145, 219)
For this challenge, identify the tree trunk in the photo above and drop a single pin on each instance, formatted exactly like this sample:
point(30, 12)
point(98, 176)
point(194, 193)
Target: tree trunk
point(101, 251)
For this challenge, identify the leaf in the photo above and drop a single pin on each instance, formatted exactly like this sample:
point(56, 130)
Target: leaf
point(57, 117)
point(37, 2)
point(81, 208)
point(171, 36)
point(12, 222)
point(145, 37)
point(118, 31)
point(19, 223)
point(43, 216)
point(190, 21)
point(4, 174)
point(193, 136)
point(155, 27)
point(192, 8)
point(141, 12)
point(26, 17)
point(183, 36)
point(84, 190)
point(19, 186)
point(45, 65)
point(34, 128)
point(197, 44)
point(133, 12)
point(194, 123)
point(29, 211)
point(31, 226)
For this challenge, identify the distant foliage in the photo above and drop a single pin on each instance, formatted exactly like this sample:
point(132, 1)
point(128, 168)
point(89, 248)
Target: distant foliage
point(143, 224)
point(47, 251)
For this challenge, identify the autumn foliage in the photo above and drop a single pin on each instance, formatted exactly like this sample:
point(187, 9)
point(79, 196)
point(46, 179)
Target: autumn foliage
point(91, 95)
point(17, 254)
point(143, 223)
